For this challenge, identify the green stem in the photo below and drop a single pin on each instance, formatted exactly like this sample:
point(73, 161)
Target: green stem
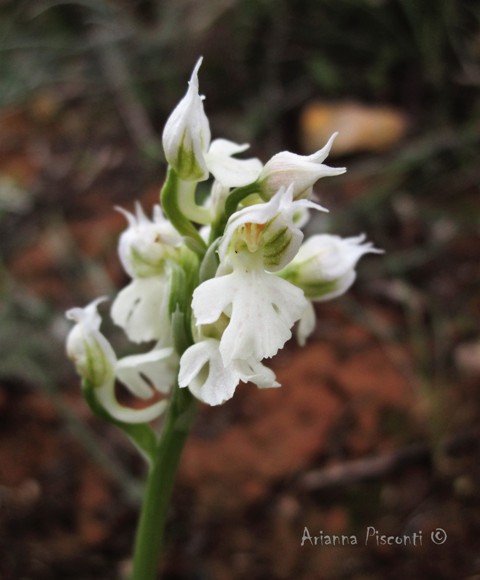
point(148, 543)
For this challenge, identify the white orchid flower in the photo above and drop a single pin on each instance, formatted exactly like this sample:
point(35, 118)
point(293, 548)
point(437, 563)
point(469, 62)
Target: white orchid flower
point(325, 265)
point(260, 307)
point(203, 371)
point(302, 170)
point(324, 268)
point(97, 364)
point(266, 233)
point(144, 248)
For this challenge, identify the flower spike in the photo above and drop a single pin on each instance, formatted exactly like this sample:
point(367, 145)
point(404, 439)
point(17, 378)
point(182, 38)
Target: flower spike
point(216, 300)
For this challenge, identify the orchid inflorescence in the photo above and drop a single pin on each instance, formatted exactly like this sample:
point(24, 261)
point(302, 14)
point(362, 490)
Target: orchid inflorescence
point(216, 287)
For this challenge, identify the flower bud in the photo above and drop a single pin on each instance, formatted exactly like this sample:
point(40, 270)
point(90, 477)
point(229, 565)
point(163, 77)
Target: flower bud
point(302, 170)
point(186, 136)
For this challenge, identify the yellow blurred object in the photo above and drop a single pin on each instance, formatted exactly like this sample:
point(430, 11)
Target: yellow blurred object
point(467, 358)
point(46, 106)
point(360, 128)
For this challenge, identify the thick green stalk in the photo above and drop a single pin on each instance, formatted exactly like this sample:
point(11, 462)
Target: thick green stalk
point(169, 199)
point(179, 418)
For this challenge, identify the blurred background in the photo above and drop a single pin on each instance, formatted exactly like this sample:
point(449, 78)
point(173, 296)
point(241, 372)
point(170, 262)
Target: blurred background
point(377, 420)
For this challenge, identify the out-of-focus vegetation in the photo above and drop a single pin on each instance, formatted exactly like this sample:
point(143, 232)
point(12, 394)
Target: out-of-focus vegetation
point(264, 58)
point(85, 87)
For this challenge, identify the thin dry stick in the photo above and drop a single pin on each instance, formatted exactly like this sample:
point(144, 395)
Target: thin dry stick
point(350, 472)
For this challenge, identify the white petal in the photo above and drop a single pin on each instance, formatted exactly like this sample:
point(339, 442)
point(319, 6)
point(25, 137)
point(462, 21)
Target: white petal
point(262, 310)
point(226, 148)
point(211, 298)
point(228, 171)
point(141, 309)
point(255, 372)
point(203, 371)
point(157, 367)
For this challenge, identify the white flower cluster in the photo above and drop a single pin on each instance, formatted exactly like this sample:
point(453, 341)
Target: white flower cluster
point(217, 301)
